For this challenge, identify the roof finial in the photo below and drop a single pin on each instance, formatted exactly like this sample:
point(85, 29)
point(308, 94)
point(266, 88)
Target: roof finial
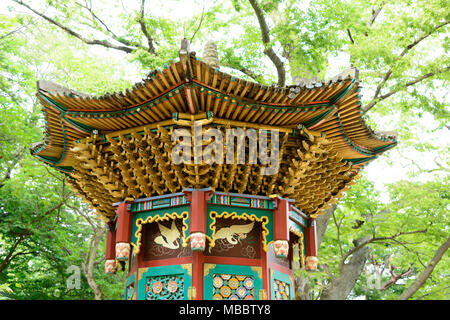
point(210, 55)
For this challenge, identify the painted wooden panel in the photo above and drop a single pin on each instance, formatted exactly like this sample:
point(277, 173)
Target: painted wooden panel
point(236, 238)
point(299, 217)
point(159, 216)
point(164, 240)
point(281, 286)
point(165, 283)
point(242, 201)
point(158, 202)
point(130, 288)
point(231, 282)
point(239, 216)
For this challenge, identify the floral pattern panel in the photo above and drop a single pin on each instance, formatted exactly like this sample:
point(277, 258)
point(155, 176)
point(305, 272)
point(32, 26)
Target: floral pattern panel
point(233, 287)
point(167, 287)
point(281, 289)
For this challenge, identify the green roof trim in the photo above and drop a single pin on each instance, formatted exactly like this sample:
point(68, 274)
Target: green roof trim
point(63, 155)
point(318, 118)
point(342, 93)
point(360, 150)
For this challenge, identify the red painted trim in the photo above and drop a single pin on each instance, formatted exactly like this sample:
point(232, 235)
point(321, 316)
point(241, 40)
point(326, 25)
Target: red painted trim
point(198, 210)
point(190, 101)
point(318, 124)
point(232, 261)
point(67, 123)
point(342, 138)
point(164, 262)
point(280, 268)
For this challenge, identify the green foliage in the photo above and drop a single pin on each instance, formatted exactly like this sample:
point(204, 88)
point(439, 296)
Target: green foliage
point(39, 236)
point(410, 227)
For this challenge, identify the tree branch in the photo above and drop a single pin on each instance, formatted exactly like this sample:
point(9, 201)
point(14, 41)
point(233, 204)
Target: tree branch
point(375, 13)
point(141, 21)
point(268, 51)
point(17, 158)
point(395, 277)
point(104, 43)
point(12, 32)
point(375, 239)
point(108, 30)
point(255, 76)
point(423, 277)
point(340, 288)
point(200, 23)
point(338, 229)
point(10, 256)
point(350, 36)
point(388, 74)
point(422, 170)
point(374, 101)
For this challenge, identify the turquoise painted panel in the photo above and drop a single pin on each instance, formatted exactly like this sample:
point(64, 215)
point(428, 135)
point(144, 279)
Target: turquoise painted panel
point(231, 282)
point(296, 216)
point(130, 287)
point(152, 213)
point(281, 286)
point(165, 283)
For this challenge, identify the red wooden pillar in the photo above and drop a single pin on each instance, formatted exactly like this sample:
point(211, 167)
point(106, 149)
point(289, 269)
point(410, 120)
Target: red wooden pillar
point(311, 246)
point(110, 256)
point(110, 243)
point(281, 227)
point(123, 232)
point(198, 200)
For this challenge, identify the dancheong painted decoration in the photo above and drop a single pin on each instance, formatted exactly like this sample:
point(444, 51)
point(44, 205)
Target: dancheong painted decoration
point(219, 224)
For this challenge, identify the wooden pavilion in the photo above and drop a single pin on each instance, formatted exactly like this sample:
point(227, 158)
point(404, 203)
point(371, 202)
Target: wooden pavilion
point(203, 230)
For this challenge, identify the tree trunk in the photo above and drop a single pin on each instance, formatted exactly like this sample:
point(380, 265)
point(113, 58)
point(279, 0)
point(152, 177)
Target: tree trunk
point(340, 288)
point(420, 281)
point(88, 266)
point(302, 288)
point(322, 224)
